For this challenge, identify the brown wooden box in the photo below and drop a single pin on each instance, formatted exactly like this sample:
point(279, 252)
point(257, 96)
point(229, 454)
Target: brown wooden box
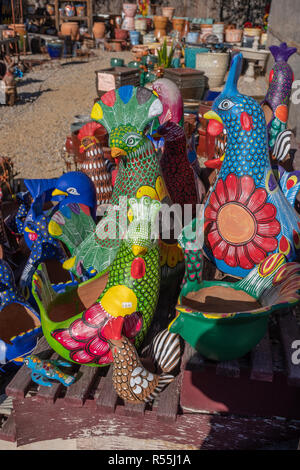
point(115, 77)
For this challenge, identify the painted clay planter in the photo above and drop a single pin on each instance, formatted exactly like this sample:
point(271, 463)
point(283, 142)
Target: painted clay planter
point(225, 320)
point(130, 9)
point(121, 34)
point(178, 24)
point(134, 37)
point(99, 30)
point(140, 25)
point(168, 12)
point(80, 10)
point(233, 35)
point(70, 28)
point(160, 22)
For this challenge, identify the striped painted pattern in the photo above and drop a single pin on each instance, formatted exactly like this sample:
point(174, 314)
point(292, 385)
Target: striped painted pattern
point(165, 350)
point(282, 145)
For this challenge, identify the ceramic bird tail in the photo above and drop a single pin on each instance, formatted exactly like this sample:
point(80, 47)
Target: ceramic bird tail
point(131, 380)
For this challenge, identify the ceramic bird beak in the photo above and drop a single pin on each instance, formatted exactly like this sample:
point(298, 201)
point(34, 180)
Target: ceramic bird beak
point(116, 152)
point(138, 250)
point(58, 192)
point(212, 115)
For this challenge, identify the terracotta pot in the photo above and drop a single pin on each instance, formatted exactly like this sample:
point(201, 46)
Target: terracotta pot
point(121, 34)
point(70, 28)
point(168, 12)
point(178, 24)
point(140, 25)
point(160, 22)
point(99, 30)
point(130, 9)
point(233, 35)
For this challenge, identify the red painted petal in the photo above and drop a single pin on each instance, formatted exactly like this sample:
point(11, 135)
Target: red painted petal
point(106, 359)
point(97, 347)
point(95, 315)
point(268, 244)
point(210, 213)
point(257, 200)
point(232, 186)
point(80, 331)
point(268, 212)
point(246, 121)
point(231, 258)
point(256, 254)
point(247, 188)
point(82, 357)
point(269, 229)
point(132, 324)
point(66, 340)
point(213, 202)
point(221, 192)
point(243, 259)
point(214, 238)
point(220, 250)
point(85, 209)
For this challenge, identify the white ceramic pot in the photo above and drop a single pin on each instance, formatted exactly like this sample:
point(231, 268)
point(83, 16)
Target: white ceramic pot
point(214, 66)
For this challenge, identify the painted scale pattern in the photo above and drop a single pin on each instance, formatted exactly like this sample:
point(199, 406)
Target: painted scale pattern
point(247, 216)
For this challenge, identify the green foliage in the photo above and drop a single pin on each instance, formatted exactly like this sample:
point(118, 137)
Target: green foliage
point(164, 59)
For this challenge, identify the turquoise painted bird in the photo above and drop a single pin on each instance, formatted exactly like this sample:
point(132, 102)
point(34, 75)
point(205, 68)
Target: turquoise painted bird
point(249, 213)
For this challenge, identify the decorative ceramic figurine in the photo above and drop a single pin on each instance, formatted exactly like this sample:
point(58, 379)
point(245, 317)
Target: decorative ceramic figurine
point(247, 216)
point(20, 325)
point(276, 102)
point(225, 320)
point(125, 113)
point(171, 98)
point(93, 163)
point(72, 323)
point(44, 372)
point(131, 380)
point(177, 171)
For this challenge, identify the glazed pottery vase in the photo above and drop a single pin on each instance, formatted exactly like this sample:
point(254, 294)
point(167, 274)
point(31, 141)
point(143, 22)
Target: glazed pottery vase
point(192, 37)
point(215, 66)
point(218, 30)
point(116, 62)
point(134, 37)
point(99, 30)
point(168, 12)
point(70, 28)
point(130, 9)
point(80, 10)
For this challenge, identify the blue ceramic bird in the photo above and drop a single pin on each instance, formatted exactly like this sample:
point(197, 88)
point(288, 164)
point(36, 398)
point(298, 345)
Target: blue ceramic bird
point(248, 214)
point(19, 322)
point(75, 187)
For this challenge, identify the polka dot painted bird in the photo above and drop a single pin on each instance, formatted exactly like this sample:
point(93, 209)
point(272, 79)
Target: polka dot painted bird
point(248, 214)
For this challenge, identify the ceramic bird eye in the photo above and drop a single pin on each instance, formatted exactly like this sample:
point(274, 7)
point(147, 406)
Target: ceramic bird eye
point(226, 104)
point(73, 191)
point(132, 140)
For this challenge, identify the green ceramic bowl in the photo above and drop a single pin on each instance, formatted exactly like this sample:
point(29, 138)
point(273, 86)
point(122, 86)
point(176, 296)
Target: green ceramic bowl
point(116, 62)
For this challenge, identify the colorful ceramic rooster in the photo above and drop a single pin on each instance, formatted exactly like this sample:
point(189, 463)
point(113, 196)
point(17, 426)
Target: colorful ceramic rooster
point(276, 102)
point(171, 98)
point(93, 163)
point(131, 380)
point(125, 113)
point(130, 292)
point(176, 169)
point(247, 215)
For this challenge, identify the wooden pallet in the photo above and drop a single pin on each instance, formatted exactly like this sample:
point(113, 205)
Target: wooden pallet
point(240, 404)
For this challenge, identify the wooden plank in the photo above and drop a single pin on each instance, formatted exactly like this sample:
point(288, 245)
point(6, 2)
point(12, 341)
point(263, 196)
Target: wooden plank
point(77, 393)
point(168, 401)
point(50, 394)
point(229, 369)
point(290, 336)
point(19, 385)
point(261, 361)
point(107, 399)
point(8, 431)
point(135, 409)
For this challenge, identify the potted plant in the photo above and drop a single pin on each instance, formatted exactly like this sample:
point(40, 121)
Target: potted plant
point(164, 58)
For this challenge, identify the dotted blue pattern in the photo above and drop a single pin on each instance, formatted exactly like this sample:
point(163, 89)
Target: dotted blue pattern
point(246, 151)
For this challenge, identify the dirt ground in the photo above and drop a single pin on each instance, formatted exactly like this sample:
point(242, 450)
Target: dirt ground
point(33, 131)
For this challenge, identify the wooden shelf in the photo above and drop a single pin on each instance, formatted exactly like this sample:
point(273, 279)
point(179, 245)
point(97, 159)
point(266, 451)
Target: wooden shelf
point(63, 18)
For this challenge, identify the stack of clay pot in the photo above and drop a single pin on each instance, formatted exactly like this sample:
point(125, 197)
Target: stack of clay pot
point(168, 12)
point(129, 10)
point(160, 24)
point(70, 28)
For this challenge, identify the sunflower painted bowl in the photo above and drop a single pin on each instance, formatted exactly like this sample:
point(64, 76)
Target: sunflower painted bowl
point(225, 320)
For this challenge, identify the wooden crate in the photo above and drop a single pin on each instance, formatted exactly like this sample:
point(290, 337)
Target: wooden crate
point(244, 404)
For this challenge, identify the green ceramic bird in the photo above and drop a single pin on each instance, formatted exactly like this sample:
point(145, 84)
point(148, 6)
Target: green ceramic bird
point(125, 113)
point(73, 323)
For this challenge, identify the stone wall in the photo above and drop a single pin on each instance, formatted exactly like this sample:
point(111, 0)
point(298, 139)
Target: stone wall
point(284, 27)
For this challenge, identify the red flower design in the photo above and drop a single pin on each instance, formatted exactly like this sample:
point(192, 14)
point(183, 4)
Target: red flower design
point(84, 340)
point(240, 225)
